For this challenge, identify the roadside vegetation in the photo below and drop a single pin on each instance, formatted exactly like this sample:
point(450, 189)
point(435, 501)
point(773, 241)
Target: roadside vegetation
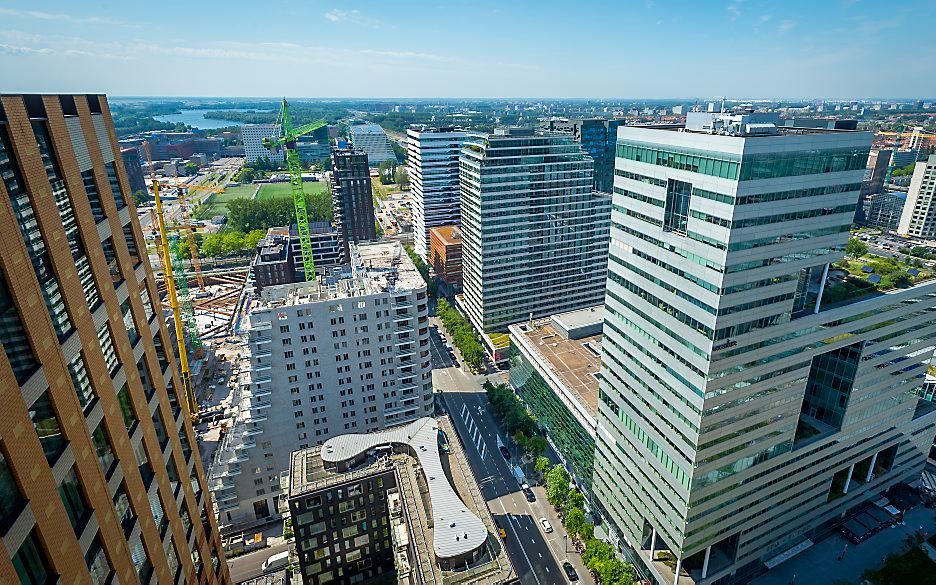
point(462, 333)
point(431, 285)
point(598, 555)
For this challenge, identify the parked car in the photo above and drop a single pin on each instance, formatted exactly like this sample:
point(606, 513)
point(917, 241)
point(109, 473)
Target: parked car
point(570, 571)
point(500, 529)
point(505, 452)
point(547, 527)
point(530, 496)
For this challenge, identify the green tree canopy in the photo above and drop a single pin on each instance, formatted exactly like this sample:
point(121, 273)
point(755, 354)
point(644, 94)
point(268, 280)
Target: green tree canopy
point(856, 248)
point(557, 485)
point(541, 465)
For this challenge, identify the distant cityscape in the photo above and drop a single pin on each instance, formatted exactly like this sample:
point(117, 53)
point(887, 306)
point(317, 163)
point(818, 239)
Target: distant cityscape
point(460, 341)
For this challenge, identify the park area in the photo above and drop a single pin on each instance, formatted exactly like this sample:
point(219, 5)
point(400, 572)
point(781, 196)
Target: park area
point(216, 203)
point(273, 190)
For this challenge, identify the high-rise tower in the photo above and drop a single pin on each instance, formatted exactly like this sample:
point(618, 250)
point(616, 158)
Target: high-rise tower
point(99, 473)
point(432, 162)
point(751, 393)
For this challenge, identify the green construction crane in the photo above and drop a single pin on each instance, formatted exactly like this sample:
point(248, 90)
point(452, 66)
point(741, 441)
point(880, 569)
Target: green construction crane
point(287, 141)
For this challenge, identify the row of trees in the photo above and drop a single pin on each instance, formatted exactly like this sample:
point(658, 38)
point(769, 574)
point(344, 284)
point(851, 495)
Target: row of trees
point(462, 334)
point(246, 215)
point(222, 244)
point(599, 556)
point(431, 285)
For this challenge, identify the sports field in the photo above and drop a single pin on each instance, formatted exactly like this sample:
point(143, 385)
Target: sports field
point(217, 203)
point(271, 190)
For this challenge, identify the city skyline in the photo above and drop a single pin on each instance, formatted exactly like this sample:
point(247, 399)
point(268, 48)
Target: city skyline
point(362, 49)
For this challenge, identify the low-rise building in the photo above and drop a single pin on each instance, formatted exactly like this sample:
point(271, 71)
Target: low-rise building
point(445, 256)
point(399, 500)
point(554, 367)
point(347, 353)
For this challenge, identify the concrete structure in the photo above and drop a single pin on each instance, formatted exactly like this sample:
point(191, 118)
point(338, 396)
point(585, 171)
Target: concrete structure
point(348, 353)
point(404, 503)
point(373, 141)
point(597, 136)
point(253, 135)
point(554, 366)
point(432, 163)
point(882, 210)
point(535, 233)
point(131, 160)
point(919, 213)
point(98, 476)
point(352, 198)
point(445, 256)
point(740, 417)
point(279, 254)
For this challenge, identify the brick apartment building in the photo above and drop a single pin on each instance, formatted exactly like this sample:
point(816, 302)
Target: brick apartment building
point(100, 478)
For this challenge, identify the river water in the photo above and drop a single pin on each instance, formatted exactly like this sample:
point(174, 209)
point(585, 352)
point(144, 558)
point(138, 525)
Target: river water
point(196, 119)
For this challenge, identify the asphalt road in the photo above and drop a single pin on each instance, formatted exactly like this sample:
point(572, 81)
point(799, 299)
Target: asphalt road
point(535, 555)
point(248, 566)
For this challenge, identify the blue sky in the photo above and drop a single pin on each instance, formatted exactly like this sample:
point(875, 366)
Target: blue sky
point(471, 48)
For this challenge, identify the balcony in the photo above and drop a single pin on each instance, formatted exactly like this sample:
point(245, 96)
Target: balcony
point(230, 471)
point(260, 392)
point(260, 404)
point(262, 380)
point(238, 456)
point(225, 496)
point(252, 430)
point(261, 367)
point(263, 354)
point(226, 507)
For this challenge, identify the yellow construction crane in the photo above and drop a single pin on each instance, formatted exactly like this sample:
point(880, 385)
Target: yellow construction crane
point(187, 388)
point(182, 191)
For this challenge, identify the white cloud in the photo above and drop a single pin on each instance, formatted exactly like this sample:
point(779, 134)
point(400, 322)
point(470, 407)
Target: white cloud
point(39, 15)
point(763, 18)
point(786, 26)
point(734, 10)
point(19, 50)
point(351, 16)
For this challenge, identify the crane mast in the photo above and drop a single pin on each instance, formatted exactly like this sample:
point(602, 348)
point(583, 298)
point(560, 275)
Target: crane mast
point(287, 140)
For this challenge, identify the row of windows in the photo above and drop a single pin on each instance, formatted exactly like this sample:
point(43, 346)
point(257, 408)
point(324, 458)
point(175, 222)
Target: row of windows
point(751, 167)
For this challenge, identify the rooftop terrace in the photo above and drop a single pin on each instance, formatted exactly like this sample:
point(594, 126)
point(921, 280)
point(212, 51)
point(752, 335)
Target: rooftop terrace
point(853, 280)
point(574, 363)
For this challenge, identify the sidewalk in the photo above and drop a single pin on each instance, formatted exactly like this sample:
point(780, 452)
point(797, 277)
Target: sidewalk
point(556, 541)
point(819, 563)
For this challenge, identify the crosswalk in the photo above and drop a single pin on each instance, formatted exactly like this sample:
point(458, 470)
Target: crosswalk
point(474, 432)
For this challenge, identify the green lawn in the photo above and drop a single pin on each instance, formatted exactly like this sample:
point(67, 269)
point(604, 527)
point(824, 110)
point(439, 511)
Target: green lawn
point(271, 190)
point(217, 204)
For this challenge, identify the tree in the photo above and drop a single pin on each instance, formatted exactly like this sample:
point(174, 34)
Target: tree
point(537, 445)
point(575, 521)
point(253, 238)
point(557, 485)
point(211, 246)
point(232, 243)
point(521, 439)
point(575, 500)
point(541, 466)
point(901, 279)
point(402, 177)
point(181, 249)
point(142, 197)
point(856, 248)
point(190, 168)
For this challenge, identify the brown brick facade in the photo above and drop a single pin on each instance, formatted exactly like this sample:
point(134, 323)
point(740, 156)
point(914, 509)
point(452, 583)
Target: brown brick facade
point(37, 481)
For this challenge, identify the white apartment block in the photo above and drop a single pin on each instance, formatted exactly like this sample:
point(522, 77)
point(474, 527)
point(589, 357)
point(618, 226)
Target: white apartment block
point(535, 234)
point(432, 162)
point(372, 139)
point(253, 135)
point(751, 396)
point(919, 213)
point(347, 356)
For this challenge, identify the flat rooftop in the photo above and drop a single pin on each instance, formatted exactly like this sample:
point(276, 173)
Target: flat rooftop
point(574, 362)
point(375, 268)
point(449, 234)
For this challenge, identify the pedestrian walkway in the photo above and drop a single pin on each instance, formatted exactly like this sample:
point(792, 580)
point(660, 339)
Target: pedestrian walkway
point(562, 546)
point(821, 562)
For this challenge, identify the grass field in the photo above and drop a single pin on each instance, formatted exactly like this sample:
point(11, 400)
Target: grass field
point(217, 203)
point(271, 190)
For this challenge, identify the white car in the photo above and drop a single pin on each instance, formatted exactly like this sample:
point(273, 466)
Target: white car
point(547, 527)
